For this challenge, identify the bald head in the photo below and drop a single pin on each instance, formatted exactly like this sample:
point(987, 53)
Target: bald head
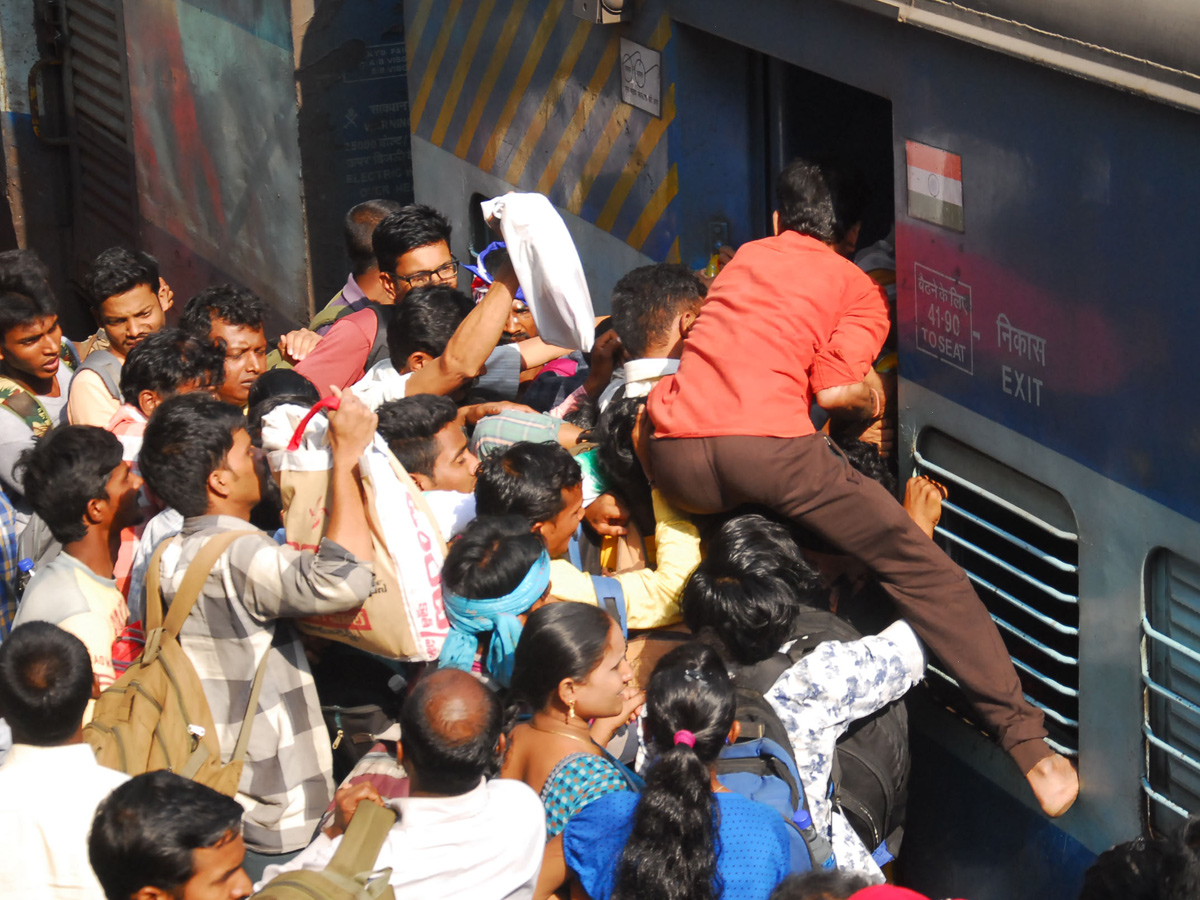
point(457, 706)
point(449, 727)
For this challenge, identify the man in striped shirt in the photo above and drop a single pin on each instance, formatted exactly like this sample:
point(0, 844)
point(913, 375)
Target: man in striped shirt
point(197, 457)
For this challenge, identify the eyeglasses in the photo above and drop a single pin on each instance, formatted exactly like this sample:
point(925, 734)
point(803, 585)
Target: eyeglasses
point(444, 272)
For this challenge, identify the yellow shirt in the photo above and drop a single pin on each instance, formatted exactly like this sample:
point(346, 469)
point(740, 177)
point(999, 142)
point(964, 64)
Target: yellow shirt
point(651, 595)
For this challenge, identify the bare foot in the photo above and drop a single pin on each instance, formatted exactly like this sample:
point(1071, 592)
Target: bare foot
point(923, 502)
point(1055, 783)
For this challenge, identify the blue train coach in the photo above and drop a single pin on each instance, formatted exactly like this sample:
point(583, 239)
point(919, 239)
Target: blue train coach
point(1040, 163)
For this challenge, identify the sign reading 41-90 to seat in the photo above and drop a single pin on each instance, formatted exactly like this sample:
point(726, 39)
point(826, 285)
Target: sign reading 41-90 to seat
point(944, 319)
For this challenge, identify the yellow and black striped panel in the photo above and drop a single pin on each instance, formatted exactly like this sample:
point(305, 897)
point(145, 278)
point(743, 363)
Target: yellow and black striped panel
point(524, 90)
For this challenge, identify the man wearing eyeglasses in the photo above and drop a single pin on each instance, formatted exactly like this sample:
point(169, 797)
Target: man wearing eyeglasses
point(412, 247)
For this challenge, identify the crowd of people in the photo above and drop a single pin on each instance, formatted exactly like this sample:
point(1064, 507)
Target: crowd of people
point(653, 551)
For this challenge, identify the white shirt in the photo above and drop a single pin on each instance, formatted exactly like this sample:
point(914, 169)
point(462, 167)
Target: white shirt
point(821, 696)
point(381, 384)
point(483, 845)
point(453, 510)
point(48, 796)
point(639, 376)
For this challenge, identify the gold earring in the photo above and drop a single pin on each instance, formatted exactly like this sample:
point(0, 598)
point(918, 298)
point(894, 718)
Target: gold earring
point(571, 710)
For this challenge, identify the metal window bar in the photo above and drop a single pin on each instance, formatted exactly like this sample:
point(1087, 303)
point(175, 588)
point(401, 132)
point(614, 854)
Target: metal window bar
point(1012, 539)
point(1171, 676)
point(1024, 607)
point(1007, 553)
point(1050, 713)
point(1008, 567)
point(923, 463)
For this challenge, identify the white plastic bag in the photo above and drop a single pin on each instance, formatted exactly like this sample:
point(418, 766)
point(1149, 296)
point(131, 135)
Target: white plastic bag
point(548, 268)
point(404, 617)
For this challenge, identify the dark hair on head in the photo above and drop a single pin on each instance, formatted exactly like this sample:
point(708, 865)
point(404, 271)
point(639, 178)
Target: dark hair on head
point(671, 853)
point(410, 227)
point(425, 320)
point(618, 461)
point(1146, 868)
point(585, 415)
point(282, 383)
point(186, 440)
point(820, 885)
point(64, 471)
point(646, 301)
point(410, 427)
point(118, 271)
point(231, 304)
point(358, 228)
point(560, 640)
point(750, 587)
point(525, 480)
point(848, 194)
point(491, 556)
point(25, 292)
point(866, 459)
point(165, 361)
point(444, 762)
point(805, 201)
point(145, 831)
point(45, 683)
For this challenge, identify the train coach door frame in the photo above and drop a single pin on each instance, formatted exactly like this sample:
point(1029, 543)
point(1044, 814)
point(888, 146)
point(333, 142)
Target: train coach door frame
point(104, 195)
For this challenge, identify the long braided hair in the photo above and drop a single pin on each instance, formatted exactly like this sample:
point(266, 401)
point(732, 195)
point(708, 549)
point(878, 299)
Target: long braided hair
point(672, 851)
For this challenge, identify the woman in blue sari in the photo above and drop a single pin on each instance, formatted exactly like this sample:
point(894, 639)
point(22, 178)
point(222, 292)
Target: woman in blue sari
point(570, 671)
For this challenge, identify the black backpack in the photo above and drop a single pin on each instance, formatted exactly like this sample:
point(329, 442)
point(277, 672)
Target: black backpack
point(871, 764)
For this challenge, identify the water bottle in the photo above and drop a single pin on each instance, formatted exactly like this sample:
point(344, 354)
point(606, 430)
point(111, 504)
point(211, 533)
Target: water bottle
point(714, 262)
point(822, 852)
point(24, 573)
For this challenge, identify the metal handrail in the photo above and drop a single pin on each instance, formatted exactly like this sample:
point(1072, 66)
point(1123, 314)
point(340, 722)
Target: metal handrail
point(983, 492)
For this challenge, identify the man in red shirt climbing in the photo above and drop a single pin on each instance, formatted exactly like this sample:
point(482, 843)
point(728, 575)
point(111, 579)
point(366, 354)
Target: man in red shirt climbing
point(787, 323)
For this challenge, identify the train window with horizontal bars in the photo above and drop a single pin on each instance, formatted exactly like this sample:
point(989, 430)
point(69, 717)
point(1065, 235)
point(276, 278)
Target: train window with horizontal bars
point(1016, 539)
point(1171, 679)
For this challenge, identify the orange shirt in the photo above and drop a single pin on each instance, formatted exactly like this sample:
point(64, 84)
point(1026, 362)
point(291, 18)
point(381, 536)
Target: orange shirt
point(785, 318)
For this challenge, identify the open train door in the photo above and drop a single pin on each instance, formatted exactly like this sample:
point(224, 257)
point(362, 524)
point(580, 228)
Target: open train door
point(100, 131)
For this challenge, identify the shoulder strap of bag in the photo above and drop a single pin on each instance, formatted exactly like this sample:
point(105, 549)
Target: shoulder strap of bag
point(816, 626)
point(762, 675)
point(379, 346)
point(189, 589)
point(243, 741)
point(363, 839)
point(610, 597)
point(25, 406)
point(106, 365)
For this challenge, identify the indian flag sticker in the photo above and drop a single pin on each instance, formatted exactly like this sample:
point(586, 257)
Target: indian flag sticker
point(934, 185)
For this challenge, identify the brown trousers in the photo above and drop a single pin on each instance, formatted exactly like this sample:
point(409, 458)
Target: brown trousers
point(808, 480)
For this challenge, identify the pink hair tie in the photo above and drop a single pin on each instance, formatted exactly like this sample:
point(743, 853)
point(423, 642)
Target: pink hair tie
point(685, 737)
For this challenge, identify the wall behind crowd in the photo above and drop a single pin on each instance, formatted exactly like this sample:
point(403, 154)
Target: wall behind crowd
point(213, 101)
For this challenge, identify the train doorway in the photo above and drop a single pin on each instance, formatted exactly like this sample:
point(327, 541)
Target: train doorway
point(812, 116)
